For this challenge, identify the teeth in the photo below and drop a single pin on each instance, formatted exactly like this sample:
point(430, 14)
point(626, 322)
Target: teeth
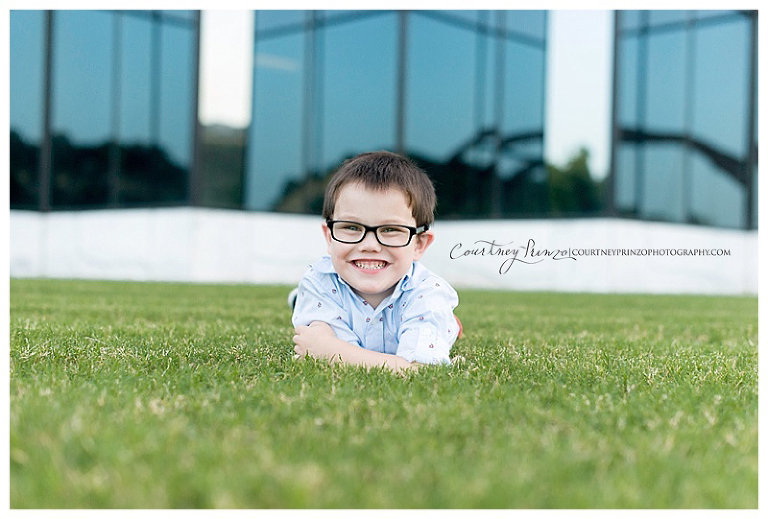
point(370, 264)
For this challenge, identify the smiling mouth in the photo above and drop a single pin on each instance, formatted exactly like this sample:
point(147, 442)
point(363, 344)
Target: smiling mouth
point(370, 264)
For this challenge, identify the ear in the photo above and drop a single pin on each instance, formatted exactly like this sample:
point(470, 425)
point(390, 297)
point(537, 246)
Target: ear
point(423, 241)
point(327, 235)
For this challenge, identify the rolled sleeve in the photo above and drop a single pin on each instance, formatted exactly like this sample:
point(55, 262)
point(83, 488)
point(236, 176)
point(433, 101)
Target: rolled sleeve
point(313, 305)
point(429, 328)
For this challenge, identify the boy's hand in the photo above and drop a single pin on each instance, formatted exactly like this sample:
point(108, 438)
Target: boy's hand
point(318, 341)
point(315, 340)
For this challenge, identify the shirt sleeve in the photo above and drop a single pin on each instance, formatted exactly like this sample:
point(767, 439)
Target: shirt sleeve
point(429, 329)
point(313, 303)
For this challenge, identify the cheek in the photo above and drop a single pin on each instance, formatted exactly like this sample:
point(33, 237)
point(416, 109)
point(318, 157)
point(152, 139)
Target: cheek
point(338, 250)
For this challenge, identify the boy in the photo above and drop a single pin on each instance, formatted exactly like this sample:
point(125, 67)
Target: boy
point(370, 302)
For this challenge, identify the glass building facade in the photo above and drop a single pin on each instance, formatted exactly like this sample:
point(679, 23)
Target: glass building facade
point(685, 117)
point(460, 92)
point(103, 106)
point(104, 113)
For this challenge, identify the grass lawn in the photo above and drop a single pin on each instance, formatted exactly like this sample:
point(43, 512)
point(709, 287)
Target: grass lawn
point(149, 395)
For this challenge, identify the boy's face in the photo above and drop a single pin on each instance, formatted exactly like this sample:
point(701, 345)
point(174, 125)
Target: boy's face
point(371, 269)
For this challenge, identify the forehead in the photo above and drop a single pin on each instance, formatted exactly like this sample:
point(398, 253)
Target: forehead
point(355, 200)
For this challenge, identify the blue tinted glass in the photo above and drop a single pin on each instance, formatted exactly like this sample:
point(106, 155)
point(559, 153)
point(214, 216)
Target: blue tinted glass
point(717, 199)
point(663, 182)
point(186, 15)
point(666, 95)
point(82, 107)
point(273, 19)
point(712, 13)
point(358, 88)
point(333, 14)
point(523, 88)
point(26, 73)
point(627, 73)
point(482, 153)
point(26, 105)
point(82, 78)
point(274, 150)
point(176, 93)
point(721, 79)
point(441, 83)
point(135, 80)
point(625, 178)
point(465, 15)
point(529, 23)
point(661, 17)
point(630, 19)
point(486, 88)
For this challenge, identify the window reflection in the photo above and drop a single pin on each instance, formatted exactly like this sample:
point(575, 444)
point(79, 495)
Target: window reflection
point(358, 88)
point(121, 106)
point(26, 105)
point(527, 23)
point(83, 69)
point(274, 153)
point(328, 90)
point(666, 82)
point(683, 118)
point(441, 88)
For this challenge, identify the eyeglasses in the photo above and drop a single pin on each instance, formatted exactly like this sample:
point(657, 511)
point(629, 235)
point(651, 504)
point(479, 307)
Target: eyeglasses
point(388, 235)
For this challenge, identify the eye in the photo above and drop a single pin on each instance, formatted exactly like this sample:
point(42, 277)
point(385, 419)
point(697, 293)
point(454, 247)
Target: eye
point(350, 226)
point(394, 230)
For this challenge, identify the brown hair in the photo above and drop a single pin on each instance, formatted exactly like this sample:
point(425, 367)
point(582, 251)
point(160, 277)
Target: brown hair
point(381, 170)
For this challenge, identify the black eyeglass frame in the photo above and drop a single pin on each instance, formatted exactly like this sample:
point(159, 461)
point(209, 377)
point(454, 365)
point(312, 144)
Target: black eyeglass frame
point(413, 230)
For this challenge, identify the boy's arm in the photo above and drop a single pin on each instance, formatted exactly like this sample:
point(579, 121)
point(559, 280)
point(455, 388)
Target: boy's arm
point(318, 340)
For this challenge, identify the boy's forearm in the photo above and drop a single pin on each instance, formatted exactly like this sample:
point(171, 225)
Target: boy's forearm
point(342, 351)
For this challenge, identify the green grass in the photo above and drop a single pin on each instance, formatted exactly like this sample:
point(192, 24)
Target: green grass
point(134, 395)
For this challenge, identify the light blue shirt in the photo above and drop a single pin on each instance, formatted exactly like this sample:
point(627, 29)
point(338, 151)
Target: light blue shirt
point(415, 322)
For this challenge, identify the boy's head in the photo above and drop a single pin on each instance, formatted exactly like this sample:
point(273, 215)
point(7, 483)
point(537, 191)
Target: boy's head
point(382, 170)
point(378, 207)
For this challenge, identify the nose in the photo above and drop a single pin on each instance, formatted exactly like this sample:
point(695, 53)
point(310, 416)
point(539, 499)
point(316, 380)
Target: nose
point(369, 242)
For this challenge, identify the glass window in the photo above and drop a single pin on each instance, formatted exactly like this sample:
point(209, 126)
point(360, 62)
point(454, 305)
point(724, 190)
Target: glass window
point(663, 188)
point(661, 17)
point(528, 23)
point(522, 128)
point(359, 80)
point(440, 89)
point(715, 199)
point(711, 13)
point(666, 97)
point(179, 14)
point(26, 104)
point(83, 87)
point(176, 93)
point(270, 19)
point(721, 78)
point(135, 80)
point(630, 19)
point(523, 89)
point(465, 15)
point(625, 178)
point(334, 14)
point(274, 139)
point(627, 72)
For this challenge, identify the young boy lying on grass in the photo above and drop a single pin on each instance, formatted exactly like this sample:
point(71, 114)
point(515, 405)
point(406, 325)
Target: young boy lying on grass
point(370, 302)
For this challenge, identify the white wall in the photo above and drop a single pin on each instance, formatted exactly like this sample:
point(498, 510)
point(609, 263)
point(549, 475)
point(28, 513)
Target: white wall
point(207, 245)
